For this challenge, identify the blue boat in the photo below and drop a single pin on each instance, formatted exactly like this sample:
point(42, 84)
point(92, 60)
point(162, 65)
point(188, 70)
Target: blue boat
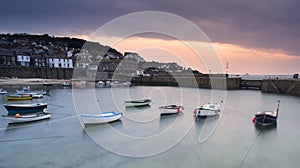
point(266, 117)
point(14, 109)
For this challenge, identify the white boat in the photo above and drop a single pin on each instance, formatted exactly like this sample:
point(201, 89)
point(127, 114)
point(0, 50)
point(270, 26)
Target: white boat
point(126, 84)
point(102, 117)
point(207, 110)
point(37, 96)
point(137, 103)
point(2, 91)
point(67, 84)
point(120, 84)
point(45, 92)
point(171, 109)
point(27, 117)
point(116, 84)
point(47, 84)
point(26, 89)
point(100, 84)
point(107, 83)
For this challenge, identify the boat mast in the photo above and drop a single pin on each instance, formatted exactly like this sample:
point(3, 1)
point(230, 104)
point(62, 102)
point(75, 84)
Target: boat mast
point(277, 110)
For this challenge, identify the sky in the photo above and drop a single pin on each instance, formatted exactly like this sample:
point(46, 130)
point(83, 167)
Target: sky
point(255, 37)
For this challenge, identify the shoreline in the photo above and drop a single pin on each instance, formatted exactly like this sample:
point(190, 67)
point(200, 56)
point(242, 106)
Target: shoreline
point(287, 87)
point(30, 81)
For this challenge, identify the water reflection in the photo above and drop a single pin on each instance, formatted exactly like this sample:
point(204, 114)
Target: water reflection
point(205, 127)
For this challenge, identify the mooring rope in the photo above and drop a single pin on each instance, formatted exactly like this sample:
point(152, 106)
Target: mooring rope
point(35, 138)
point(252, 146)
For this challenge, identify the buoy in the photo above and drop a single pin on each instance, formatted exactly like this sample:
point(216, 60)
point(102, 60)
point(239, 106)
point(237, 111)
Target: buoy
point(17, 115)
point(254, 119)
point(182, 108)
point(178, 110)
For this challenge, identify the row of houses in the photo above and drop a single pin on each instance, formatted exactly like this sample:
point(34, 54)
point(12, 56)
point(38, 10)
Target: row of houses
point(131, 63)
point(81, 61)
point(37, 61)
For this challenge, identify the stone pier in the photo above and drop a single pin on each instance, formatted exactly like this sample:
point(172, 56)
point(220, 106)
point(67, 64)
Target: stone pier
point(290, 87)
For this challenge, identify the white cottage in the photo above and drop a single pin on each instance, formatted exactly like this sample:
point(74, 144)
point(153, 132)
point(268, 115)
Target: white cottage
point(24, 60)
point(60, 63)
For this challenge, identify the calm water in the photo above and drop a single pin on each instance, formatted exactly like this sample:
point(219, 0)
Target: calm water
point(143, 138)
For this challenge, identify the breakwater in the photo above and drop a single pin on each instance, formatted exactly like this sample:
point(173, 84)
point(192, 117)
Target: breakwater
point(200, 82)
point(287, 86)
point(279, 86)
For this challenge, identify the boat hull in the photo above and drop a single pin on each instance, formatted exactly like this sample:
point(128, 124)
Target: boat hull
point(27, 118)
point(18, 98)
point(264, 119)
point(206, 113)
point(172, 109)
point(138, 103)
point(103, 117)
point(2, 91)
point(14, 109)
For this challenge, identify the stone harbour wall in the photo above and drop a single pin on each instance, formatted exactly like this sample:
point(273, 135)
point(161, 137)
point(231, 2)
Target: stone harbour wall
point(45, 73)
point(290, 87)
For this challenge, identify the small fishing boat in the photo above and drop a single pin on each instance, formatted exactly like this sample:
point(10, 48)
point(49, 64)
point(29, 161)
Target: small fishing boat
point(67, 84)
point(207, 110)
point(37, 96)
point(126, 84)
point(44, 92)
point(14, 109)
point(26, 89)
point(107, 83)
point(18, 97)
point(22, 118)
point(100, 84)
point(47, 84)
point(2, 91)
point(102, 117)
point(170, 109)
point(137, 103)
point(116, 84)
point(266, 117)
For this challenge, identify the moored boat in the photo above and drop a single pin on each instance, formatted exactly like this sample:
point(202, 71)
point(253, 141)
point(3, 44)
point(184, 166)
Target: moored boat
point(170, 109)
point(47, 84)
point(102, 117)
point(207, 110)
point(37, 96)
point(18, 118)
point(107, 83)
point(2, 91)
point(267, 117)
point(14, 109)
point(116, 84)
point(44, 92)
point(100, 84)
point(67, 84)
point(18, 97)
point(137, 103)
point(26, 89)
point(126, 84)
